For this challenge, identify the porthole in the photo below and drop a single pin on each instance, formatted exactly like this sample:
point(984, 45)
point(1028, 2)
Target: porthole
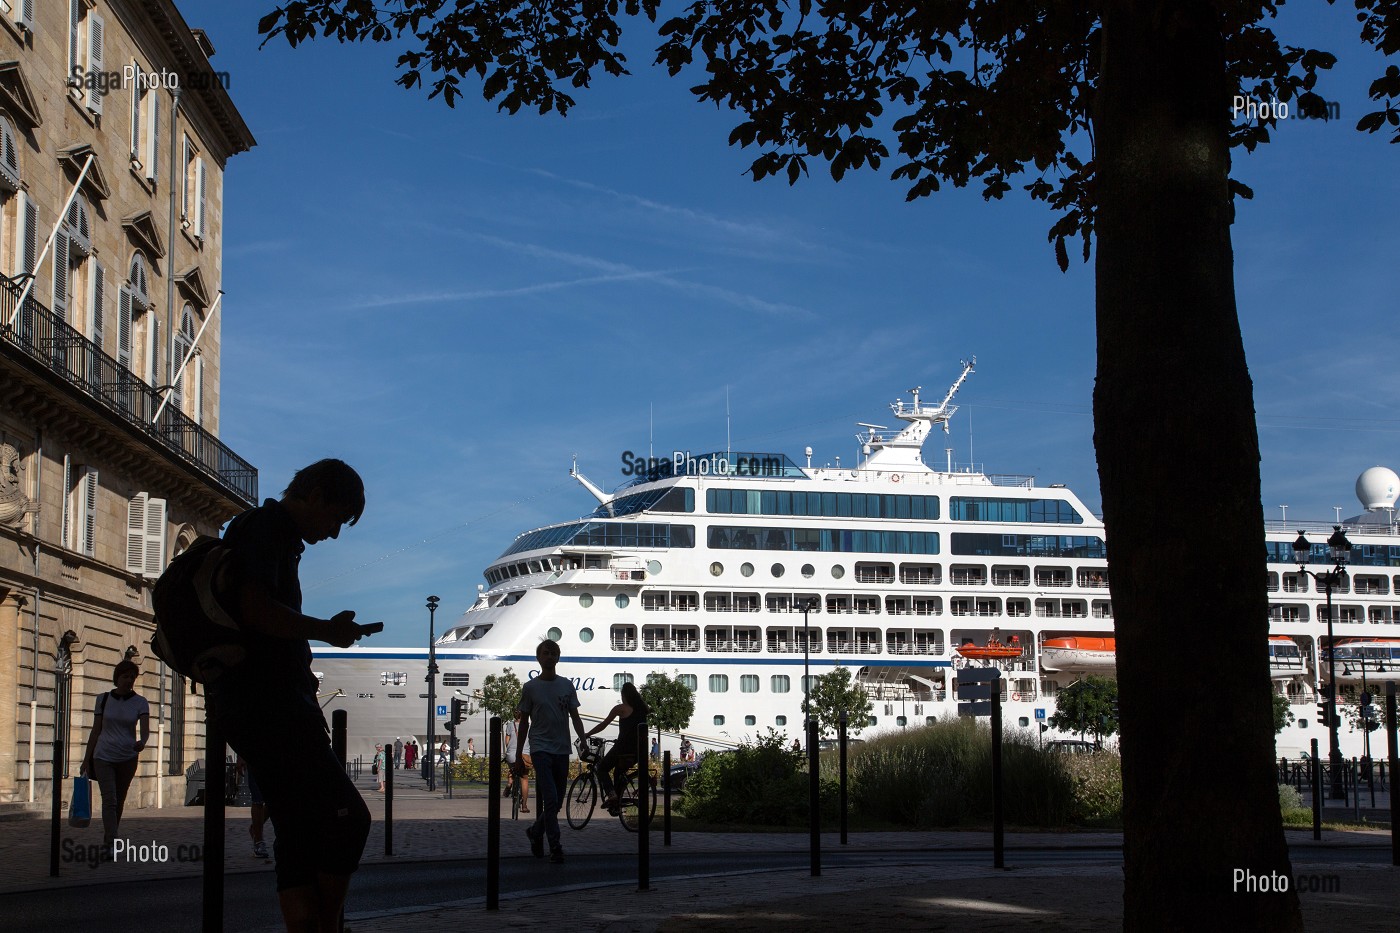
point(746, 569)
point(554, 634)
point(838, 572)
point(809, 571)
point(585, 635)
point(585, 600)
point(1024, 722)
point(653, 567)
point(622, 600)
point(716, 569)
point(902, 720)
point(719, 720)
point(780, 720)
point(779, 570)
point(750, 720)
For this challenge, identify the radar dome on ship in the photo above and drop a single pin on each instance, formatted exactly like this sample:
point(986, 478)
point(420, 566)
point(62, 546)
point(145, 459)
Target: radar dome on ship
point(1377, 488)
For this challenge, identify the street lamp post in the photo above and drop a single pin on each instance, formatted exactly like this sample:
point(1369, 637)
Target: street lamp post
point(807, 606)
point(1339, 552)
point(430, 760)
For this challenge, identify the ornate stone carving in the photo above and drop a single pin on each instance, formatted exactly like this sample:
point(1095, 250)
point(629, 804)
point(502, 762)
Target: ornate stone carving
point(14, 504)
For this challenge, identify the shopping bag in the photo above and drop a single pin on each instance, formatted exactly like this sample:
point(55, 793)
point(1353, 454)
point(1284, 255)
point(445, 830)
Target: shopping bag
point(80, 809)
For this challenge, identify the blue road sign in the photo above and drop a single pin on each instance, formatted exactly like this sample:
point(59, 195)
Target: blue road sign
point(442, 711)
point(1040, 714)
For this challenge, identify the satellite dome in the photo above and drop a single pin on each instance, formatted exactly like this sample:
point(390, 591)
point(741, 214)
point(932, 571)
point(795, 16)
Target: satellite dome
point(1377, 488)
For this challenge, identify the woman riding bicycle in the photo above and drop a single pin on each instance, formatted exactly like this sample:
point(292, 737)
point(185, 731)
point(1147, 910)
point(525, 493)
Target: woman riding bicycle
point(630, 713)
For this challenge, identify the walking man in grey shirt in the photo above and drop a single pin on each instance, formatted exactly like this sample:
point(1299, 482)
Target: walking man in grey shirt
point(547, 703)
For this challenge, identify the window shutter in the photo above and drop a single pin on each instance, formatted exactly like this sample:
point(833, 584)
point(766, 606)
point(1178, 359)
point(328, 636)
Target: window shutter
point(136, 533)
point(153, 350)
point(124, 326)
point(185, 161)
point(60, 275)
point(96, 288)
point(27, 250)
point(75, 64)
point(9, 156)
point(137, 92)
point(197, 389)
point(95, 29)
point(153, 140)
point(23, 13)
point(89, 513)
point(67, 519)
point(177, 356)
point(202, 182)
point(155, 537)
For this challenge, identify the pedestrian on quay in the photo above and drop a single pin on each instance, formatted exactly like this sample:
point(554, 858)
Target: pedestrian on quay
point(267, 704)
point(398, 751)
point(379, 766)
point(410, 754)
point(113, 746)
point(547, 703)
point(471, 748)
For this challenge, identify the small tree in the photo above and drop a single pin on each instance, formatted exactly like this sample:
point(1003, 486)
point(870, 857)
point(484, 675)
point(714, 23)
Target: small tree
point(672, 702)
point(500, 694)
point(1350, 710)
point(1283, 713)
point(832, 694)
point(1088, 706)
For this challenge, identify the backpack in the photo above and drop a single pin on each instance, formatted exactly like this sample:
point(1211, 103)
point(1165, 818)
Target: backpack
point(196, 632)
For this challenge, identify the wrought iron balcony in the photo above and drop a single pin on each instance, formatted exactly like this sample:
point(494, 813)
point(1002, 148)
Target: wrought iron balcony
point(47, 341)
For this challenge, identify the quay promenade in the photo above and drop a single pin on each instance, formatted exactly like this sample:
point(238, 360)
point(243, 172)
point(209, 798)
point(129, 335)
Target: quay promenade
point(896, 892)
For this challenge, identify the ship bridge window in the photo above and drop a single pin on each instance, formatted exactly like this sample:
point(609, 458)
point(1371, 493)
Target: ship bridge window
point(997, 545)
point(921, 574)
point(623, 638)
point(982, 509)
point(512, 598)
point(451, 679)
point(674, 499)
point(393, 678)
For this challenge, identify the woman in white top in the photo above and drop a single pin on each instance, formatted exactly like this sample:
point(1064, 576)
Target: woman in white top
point(113, 746)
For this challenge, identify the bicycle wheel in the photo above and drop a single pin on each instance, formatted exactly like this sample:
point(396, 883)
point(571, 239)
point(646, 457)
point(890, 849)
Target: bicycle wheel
point(628, 808)
point(583, 797)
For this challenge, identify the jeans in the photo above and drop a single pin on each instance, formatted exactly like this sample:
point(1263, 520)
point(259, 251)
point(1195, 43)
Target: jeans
point(551, 783)
point(114, 777)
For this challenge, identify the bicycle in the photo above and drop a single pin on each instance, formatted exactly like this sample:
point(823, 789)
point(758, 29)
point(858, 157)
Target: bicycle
point(584, 791)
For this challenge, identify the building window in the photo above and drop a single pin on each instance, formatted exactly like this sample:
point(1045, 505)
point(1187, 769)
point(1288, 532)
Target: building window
point(79, 520)
point(145, 127)
point(145, 535)
point(85, 79)
point(192, 210)
point(188, 392)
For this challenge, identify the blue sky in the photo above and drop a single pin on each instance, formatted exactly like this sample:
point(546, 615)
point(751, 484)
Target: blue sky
point(458, 301)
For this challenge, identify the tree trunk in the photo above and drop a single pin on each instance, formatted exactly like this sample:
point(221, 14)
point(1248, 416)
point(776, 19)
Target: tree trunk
point(1178, 458)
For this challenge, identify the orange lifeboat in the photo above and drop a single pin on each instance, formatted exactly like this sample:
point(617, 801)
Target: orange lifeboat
point(1079, 653)
point(994, 649)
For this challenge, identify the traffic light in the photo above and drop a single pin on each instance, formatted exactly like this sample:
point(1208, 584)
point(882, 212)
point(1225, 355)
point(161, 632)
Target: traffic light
point(459, 710)
point(1323, 719)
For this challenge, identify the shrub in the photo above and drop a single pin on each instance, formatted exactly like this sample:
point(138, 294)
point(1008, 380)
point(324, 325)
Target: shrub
point(1098, 786)
point(764, 783)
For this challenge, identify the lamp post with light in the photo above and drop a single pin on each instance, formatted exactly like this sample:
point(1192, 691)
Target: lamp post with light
point(430, 760)
point(1339, 552)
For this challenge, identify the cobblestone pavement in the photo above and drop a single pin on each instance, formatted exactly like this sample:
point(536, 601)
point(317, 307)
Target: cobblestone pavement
point(429, 827)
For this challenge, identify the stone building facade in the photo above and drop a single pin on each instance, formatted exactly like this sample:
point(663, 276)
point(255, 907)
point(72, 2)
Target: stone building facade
point(115, 129)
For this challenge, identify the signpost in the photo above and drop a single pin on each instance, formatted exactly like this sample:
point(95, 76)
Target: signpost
point(979, 694)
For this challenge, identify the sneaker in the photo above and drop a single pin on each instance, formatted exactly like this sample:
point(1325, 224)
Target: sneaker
point(536, 837)
point(260, 850)
point(556, 854)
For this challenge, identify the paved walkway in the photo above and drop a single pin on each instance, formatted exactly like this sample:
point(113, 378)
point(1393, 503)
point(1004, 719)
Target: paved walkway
point(429, 827)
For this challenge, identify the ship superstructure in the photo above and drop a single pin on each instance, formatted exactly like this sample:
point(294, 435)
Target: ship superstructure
point(737, 571)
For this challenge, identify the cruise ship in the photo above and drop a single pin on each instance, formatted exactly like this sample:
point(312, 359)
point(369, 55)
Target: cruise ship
point(742, 573)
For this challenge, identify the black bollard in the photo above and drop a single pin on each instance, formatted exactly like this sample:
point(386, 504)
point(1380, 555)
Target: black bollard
point(814, 797)
point(56, 811)
point(213, 881)
point(666, 798)
point(386, 771)
point(643, 809)
point(493, 815)
point(339, 728)
point(1317, 792)
point(841, 735)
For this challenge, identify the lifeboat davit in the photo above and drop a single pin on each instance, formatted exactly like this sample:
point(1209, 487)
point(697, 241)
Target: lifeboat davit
point(1373, 660)
point(995, 649)
point(1079, 653)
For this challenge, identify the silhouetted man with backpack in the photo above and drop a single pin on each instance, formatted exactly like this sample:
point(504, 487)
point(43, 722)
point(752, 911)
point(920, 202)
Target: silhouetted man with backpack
point(267, 704)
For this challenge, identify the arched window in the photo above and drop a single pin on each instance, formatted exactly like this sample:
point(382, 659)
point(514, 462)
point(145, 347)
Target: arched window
point(188, 394)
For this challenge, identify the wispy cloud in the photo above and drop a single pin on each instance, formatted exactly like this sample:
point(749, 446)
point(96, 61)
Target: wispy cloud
point(485, 294)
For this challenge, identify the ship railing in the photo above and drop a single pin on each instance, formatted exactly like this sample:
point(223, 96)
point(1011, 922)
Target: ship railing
point(1052, 581)
point(1004, 579)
